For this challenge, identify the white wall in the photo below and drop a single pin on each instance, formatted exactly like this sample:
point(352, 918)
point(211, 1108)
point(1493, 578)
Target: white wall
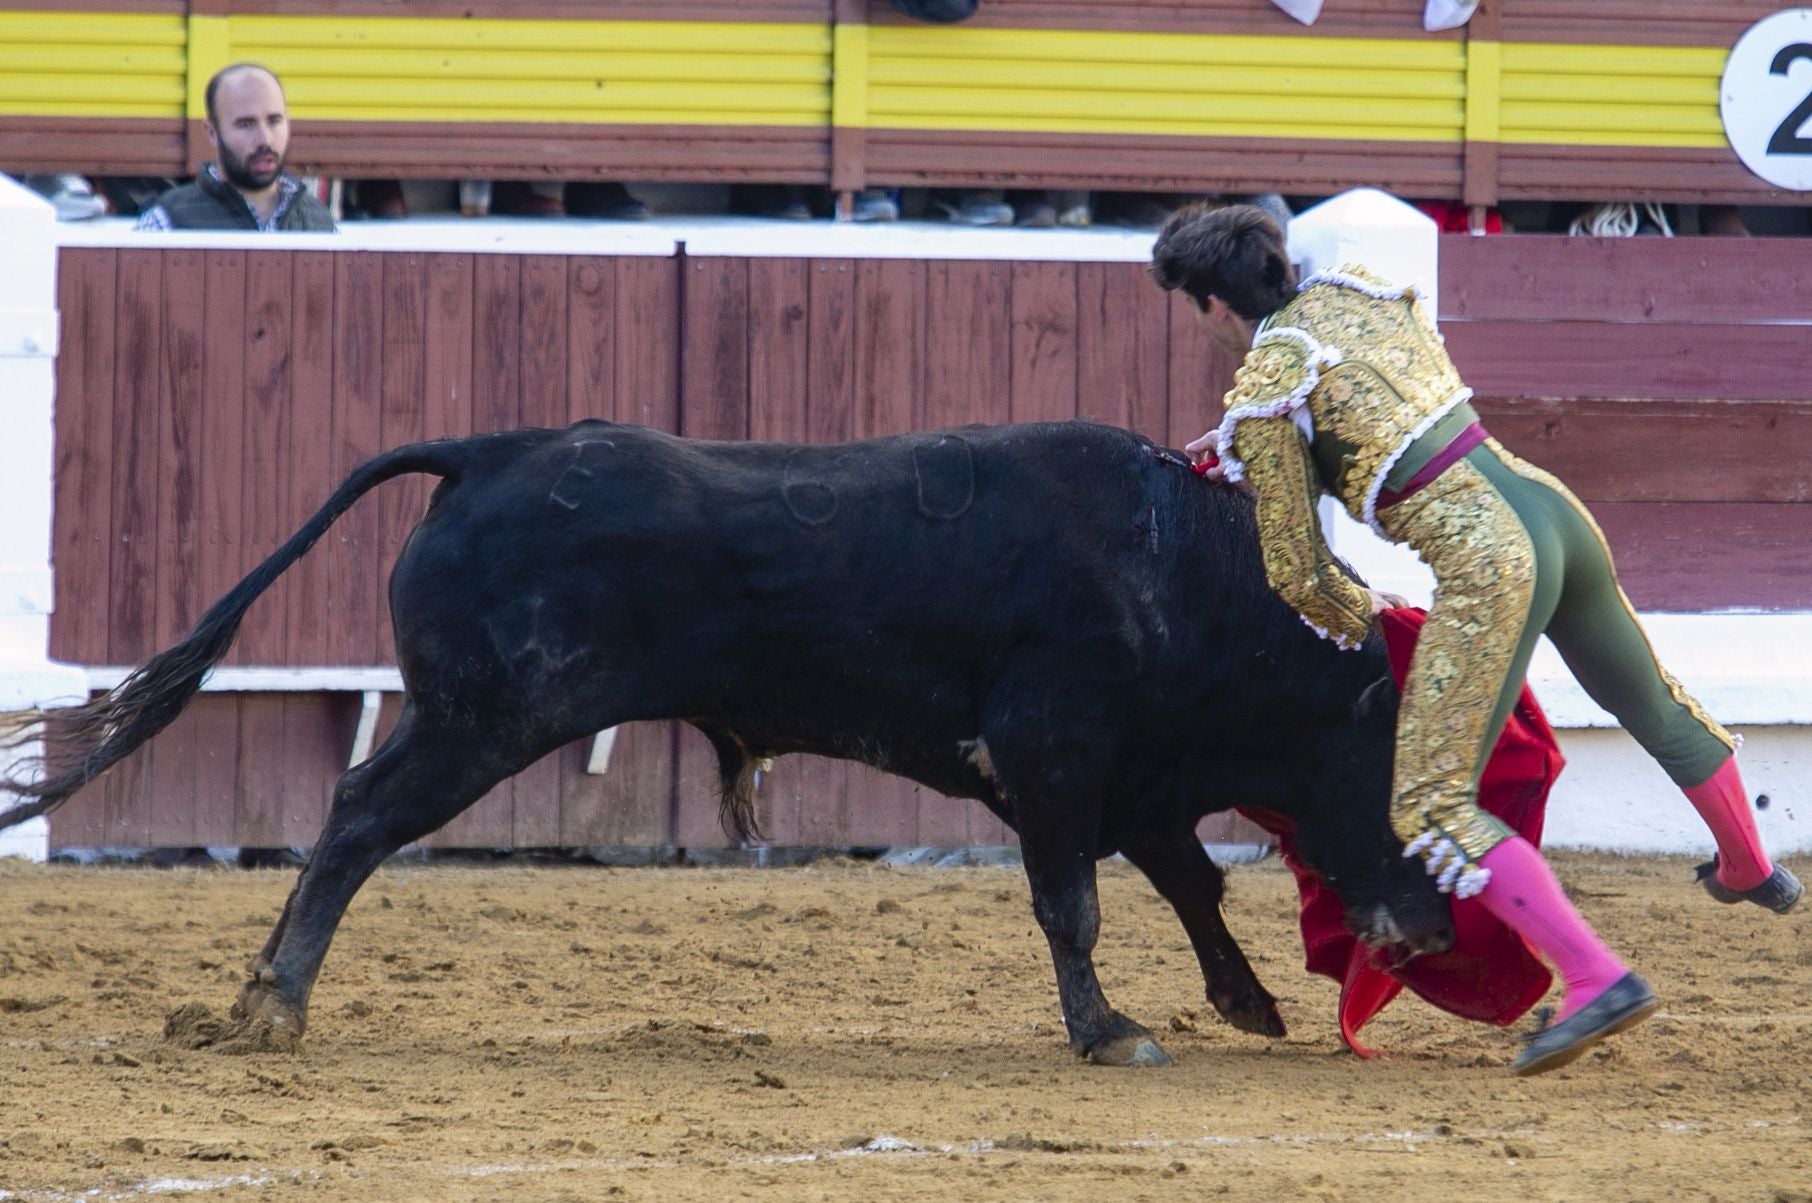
point(28, 345)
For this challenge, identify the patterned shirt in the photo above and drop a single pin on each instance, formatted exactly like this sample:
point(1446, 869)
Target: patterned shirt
point(157, 218)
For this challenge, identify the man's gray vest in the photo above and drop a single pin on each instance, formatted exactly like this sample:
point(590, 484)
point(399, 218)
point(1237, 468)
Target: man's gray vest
point(213, 204)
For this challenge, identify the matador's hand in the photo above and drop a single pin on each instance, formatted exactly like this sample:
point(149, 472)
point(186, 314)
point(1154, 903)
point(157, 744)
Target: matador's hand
point(1385, 601)
point(1207, 461)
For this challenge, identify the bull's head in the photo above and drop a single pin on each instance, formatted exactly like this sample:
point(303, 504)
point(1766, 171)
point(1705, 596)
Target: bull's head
point(1391, 902)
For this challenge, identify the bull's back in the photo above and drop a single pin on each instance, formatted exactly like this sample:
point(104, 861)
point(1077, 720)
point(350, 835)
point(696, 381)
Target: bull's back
point(870, 599)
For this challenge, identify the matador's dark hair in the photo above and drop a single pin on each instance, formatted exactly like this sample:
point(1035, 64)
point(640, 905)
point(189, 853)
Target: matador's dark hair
point(1235, 253)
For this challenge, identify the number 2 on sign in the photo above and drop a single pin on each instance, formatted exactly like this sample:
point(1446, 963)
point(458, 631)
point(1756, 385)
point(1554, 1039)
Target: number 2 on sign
point(1787, 139)
point(1768, 74)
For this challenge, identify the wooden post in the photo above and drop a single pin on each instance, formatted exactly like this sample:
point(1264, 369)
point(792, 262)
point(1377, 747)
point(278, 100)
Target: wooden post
point(209, 49)
point(849, 97)
point(1484, 103)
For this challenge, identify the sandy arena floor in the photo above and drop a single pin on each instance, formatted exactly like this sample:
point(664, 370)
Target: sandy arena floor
point(849, 1031)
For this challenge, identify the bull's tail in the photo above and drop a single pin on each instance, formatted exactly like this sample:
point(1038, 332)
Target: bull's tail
point(91, 738)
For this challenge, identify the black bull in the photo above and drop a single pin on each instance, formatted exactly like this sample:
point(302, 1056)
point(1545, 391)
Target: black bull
point(1058, 620)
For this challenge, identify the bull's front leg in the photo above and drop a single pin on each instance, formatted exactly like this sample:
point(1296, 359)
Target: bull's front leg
point(1062, 875)
point(1181, 870)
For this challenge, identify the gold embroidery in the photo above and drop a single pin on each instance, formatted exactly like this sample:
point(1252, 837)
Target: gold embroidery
point(1484, 566)
point(1395, 375)
point(1298, 564)
point(1270, 374)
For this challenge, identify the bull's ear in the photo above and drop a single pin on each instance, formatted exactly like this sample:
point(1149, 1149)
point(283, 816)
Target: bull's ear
point(1376, 702)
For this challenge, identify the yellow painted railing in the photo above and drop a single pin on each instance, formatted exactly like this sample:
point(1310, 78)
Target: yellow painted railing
point(864, 81)
point(884, 77)
point(1072, 81)
point(91, 64)
point(589, 72)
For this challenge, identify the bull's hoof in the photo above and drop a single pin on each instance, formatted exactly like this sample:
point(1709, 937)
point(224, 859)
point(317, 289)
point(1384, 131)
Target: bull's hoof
point(1137, 1051)
point(196, 1026)
point(1258, 1016)
point(266, 1022)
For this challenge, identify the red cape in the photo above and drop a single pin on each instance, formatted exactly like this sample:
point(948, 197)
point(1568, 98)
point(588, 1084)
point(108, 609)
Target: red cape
point(1489, 974)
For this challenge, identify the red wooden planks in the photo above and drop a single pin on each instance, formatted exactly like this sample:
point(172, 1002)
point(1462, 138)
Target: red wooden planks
point(830, 369)
point(967, 325)
point(135, 458)
point(631, 803)
point(1042, 342)
point(180, 451)
point(779, 337)
point(223, 559)
point(889, 350)
point(592, 347)
point(270, 415)
point(1123, 348)
point(214, 766)
point(399, 503)
point(260, 768)
point(1657, 360)
point(651, 343)
point(83, 517)
point(354, 546)
point(714, 382)
point(1687, 557)
point(1553, 278)
point(1623, 450)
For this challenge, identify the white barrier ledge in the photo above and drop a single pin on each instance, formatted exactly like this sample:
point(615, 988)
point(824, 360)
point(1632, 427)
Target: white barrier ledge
point(274, 680)
point(700, 237)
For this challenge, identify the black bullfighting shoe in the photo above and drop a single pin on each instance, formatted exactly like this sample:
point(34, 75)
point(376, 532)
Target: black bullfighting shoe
point(1627, 1002)
point(1780, 893)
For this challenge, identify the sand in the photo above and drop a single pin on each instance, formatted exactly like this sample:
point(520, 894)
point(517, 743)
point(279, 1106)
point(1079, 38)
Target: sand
point(845, 1031)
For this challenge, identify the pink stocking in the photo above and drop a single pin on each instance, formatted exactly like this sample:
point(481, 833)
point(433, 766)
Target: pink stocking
point(1524, 894)
point(1724, 805)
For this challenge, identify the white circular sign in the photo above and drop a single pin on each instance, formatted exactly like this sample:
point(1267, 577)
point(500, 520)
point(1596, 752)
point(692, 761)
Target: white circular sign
point(1766, 99)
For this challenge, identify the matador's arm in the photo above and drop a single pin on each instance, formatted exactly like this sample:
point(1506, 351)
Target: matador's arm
point(1298, 564)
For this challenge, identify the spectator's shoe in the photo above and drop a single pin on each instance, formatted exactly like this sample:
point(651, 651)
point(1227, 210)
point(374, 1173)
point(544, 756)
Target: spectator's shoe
point(1780, 893)
point(876, 204)
point(982, 208)
point(1303, 10)
point(474, 198)
point(71, 195)
point(1073, 209)
point(1627, 1002)
point(603, 198)
point(1033, 210)
point(1447, 14)
point(1143, 211)
point(1723, 220)
point(781, 202)
point(382, 200)
point(270, 858)
point(517, 199)
point(194, 857)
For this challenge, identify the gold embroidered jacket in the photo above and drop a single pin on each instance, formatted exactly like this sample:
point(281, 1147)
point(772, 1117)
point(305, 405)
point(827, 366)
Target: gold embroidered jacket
point(1339, 386)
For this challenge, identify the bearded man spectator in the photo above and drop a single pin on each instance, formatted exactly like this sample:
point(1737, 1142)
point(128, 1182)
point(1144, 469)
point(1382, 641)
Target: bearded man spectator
point(244, 188)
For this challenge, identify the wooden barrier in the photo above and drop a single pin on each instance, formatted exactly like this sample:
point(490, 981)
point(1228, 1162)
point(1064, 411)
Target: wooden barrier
point(1615, 100)
point(210, 398)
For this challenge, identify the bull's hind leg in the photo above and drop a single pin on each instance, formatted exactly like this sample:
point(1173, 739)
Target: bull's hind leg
point(1180, 868)
point(423, 776)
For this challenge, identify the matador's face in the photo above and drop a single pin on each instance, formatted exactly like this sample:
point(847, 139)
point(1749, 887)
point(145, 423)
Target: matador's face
point(1230, 332)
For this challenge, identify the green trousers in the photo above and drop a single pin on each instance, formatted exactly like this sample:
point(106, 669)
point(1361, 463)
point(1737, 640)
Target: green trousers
point(1516, 555)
